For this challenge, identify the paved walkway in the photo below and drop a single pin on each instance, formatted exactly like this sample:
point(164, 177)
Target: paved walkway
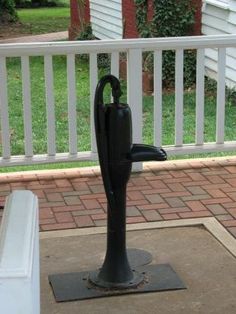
point(74, 198)
point(37, 38)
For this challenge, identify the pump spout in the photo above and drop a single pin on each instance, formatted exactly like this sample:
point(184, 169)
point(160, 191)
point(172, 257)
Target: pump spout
point(141, 152)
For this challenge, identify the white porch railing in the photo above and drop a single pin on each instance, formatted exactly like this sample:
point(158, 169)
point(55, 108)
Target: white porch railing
point(134, 49)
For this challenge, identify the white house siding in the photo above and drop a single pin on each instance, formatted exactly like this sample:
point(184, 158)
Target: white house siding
point(106, 18)
point(219, 17)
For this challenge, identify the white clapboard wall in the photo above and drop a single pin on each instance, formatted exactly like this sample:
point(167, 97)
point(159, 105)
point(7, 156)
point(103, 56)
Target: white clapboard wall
point(106, 18)
point(19, 255)
point(219, 18)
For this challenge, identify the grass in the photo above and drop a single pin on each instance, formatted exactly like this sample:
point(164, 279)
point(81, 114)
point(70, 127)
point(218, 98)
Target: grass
point(189, 119)
point(38, 21)
point(39, 121)
point(44, 20)
point(39, 108)
point(67, 165)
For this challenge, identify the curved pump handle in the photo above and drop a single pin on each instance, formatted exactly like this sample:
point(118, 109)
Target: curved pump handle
point(98, 100)
point(101, 133)
point(115, 85)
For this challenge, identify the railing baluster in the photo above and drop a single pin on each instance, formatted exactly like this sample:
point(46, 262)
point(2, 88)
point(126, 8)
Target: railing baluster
point(115, 66)
point(72, 116)
point(134, 91)
point(135, 95)
point(158, 98)
point(5, 129)
point(93, 74)
point(179, 97)
point(115, 63)
point(220, 110)
point(26, 89)
point(48, 71)
point(200, 97)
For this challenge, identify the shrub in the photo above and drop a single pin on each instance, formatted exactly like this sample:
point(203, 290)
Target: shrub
point(7, 11)
point(171, 18)
point(37, 3)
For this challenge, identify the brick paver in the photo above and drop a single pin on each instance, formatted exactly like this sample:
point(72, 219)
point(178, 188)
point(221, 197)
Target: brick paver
point(75, 198)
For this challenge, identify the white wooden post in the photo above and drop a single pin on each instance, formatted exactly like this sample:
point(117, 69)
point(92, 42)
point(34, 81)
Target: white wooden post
point(220, 110)
point(199, 138)
point(72, 114)
point(5, 129)
point(135, 96)
point(115, 56)
point(19, 255)
point(51, 133)
point(179, 96)
point(93, 76)
point(26, 91)
point(158, 98)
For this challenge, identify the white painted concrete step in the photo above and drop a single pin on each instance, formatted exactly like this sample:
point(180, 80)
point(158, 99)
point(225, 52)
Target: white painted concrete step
point(19, 255)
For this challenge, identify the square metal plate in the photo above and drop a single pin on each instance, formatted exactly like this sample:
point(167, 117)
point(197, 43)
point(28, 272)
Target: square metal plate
point(75, 286)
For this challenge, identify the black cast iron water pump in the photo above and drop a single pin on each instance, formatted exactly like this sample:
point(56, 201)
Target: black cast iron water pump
point(113, 127)
point(116, 152)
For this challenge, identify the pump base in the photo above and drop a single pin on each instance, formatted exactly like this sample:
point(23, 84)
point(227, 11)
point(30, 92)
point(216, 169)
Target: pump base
point(96, 282)
point(137, 257)
point(77, 286)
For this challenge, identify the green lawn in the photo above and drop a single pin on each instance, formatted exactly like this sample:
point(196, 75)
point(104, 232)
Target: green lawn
point(39, 107)
point(83, 110)
point(44, 20)
point(38, 21)
point(189, 119)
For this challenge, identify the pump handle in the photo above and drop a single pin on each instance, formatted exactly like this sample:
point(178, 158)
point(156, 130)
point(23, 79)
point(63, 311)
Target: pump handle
point(101, 133)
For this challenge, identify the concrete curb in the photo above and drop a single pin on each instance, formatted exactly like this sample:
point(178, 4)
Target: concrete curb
point(210, 224)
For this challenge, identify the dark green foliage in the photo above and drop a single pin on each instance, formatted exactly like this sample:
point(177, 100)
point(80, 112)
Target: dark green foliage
point(171, 18)
point(104, 59)
point(86, 34)
point(7, 11)
point(211, 91)
point(231, 96)
point(37, 3)
point(143, 25)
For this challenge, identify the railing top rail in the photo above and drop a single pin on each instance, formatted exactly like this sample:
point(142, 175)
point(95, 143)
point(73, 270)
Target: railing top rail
point(101, 46)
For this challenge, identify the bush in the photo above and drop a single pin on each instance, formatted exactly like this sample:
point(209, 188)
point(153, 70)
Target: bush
point(86, 34)
point(36, 3)
point(171, 18)
point(104, 59)
point(7, 11)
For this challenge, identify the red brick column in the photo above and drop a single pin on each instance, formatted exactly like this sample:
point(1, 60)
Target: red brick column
point(74, 20)
point(74, 27)
point(198, 17)
point(129, 19)
point(87, 12)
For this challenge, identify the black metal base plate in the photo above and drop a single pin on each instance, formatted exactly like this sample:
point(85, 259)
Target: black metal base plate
point(75, 286)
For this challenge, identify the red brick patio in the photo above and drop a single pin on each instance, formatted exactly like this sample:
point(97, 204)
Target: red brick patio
point(74, 198)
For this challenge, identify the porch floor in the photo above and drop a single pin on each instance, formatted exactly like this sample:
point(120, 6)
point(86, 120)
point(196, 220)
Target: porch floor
point(74, 198)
